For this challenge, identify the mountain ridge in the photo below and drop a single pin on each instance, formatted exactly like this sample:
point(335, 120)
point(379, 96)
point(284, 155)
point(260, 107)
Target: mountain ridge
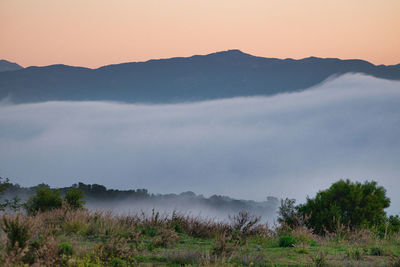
point(238, 51)
point(6, 65)
point(223, 74)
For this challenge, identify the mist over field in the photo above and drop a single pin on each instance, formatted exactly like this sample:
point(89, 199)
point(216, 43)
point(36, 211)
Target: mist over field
point(288, 145)
point(213, 209)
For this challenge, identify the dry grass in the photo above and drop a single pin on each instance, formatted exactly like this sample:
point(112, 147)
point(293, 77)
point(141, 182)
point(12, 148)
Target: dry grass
point(65, 237)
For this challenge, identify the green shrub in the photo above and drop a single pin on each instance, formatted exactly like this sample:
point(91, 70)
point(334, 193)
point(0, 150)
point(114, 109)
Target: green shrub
point(14, 204)
point(177, 222)
point(17, 230)
point(44, 200)
point(74, 198)
point(65, 248)
point(4, 183)
point(393, 224)
point(352, 204)
point(357, 254)
point(313, 243)
point(287, 241)
point(149, 231)
point(389, 227)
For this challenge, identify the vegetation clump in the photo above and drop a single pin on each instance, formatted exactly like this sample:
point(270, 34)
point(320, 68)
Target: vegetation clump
point(287, 241)
point(45, 199)
point(74, 198)
point(355, 205)
point(67, 234)
point(17, 230)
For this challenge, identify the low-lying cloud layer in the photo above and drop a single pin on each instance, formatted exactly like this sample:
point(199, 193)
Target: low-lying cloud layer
point(287, 145)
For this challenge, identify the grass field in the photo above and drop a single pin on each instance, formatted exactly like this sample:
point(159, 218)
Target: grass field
point(65, 237)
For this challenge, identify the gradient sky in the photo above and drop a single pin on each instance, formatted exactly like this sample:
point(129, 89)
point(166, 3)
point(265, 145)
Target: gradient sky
point(93, 33)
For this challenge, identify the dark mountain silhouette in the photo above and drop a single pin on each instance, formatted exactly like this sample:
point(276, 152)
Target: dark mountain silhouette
point(219, 75)
point(8, 66)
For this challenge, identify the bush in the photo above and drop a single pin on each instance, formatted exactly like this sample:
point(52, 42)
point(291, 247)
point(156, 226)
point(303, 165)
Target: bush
point(74, 198)
point(65, 248)
point(4, 183)
point(44, 200)
point(287, 214)
point(244, 222)
point(376, 251)
point(14, 204)
point(393, 224)
point(149, 231)
point(389, 227)
point(17, 230)
point(287, 241)
point(352, 204)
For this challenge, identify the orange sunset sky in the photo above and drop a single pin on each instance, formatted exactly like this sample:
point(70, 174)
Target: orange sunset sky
point(93, 33)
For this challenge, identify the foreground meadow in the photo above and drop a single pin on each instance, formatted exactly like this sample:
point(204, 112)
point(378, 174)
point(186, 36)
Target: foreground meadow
point(79, 237)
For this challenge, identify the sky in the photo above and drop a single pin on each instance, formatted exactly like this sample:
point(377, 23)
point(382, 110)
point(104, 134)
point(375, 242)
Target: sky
point(93, 33)
point(287, 145)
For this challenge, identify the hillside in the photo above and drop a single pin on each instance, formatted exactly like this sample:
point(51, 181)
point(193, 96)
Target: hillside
point(219, 75)
point(8, 66)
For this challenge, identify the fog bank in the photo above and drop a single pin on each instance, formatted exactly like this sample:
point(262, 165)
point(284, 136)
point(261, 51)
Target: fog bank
point(288, 145)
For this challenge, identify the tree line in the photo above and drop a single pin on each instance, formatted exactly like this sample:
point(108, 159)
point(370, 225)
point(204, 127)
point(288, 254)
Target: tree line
point(98, 195)
point(352, 205)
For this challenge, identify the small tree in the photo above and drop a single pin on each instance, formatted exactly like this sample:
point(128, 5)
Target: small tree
point(4, 183)
point(352, 204)
point(287, 214)
point(44, 200)
point(74, 198)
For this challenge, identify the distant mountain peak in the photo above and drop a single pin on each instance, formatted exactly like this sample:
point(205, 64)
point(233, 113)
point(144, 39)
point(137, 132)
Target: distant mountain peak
point(231, 52)
point(234, 51)
point(6, 65)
